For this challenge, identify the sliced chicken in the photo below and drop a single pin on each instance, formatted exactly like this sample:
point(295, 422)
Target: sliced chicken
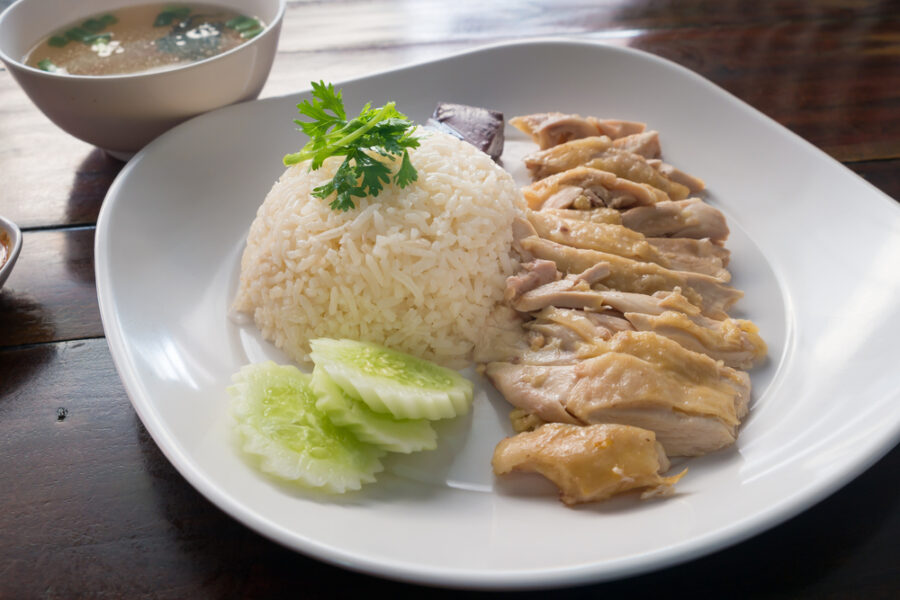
point(690, 414)
point(565, 336)
point(537, 389)
point(691, 218)
point(590, 326)
point(601, 153)
point(568, 155)
point(548, 344)
point(523, 421)
point(635, 167)
point(687, 254)
point(592, 215)
point(616, 128)
point(710, 294)
point(589, 463)
point(560, 294)
point(695, 367)
point(531, 275)
point(527, 292)
point(646, 144)
point(550, 129)
point(655, 304)
point(569, 293)
point(680, 254)
point(694, 184)
point(701, 248)
point(604, 237)
point(584, 188)
point(500, 337)
point(736, 342)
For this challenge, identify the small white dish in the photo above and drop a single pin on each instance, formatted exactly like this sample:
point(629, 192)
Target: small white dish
point(122, 113)
point(819, 274)
point(10, 247)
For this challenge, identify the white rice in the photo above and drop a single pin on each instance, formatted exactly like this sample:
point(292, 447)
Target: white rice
point(418, 269)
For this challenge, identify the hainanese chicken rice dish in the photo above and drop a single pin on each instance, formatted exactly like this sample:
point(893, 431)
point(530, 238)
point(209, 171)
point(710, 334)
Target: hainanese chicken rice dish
point(595, 300)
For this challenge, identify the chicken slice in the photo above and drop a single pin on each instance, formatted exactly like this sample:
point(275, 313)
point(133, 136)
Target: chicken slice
point(569, 293)
point(693, 366)
point(691, 218)
point(539, 285)
point(560, 294)
point(589, 463)
point(680, 254)
point(694, 184)
point(688, 254)
point(616, 128)
point(585, 188)
point(590, 326)
point(601, 153)
point(564, 336)
point(537, 389)
point(736, 342)
point(568, 155)
point(635, 167)
point(655, 304)
point(501, 336)
point(604, 237)
point(710, 294)
point(591, 215)
point(550, 129)
point(523, 421)
point(532, 275)
point(692, 411)
point(645, 143)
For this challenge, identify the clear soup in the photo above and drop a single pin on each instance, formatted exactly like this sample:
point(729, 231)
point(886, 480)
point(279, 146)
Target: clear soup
point(143, 38)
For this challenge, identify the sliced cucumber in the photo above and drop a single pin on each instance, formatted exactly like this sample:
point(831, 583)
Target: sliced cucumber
point(392, 382)
point(381, 429)
point(277, 418)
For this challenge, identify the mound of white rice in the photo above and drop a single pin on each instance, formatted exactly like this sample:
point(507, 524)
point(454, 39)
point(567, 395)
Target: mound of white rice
point(416, 269)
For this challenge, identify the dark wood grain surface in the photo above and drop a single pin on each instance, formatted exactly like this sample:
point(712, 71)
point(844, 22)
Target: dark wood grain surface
point(89, 506)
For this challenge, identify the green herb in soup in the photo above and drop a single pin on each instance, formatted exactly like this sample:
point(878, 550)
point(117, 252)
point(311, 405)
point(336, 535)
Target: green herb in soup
point(143, 38)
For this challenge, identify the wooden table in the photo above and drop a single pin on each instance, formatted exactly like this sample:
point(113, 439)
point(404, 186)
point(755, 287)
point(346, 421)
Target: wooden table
point(90, 507)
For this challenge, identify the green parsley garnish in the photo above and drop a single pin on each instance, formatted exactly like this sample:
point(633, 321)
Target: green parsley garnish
point(382, 131)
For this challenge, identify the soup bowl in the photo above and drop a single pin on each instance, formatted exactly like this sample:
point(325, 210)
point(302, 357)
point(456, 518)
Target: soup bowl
point(122, 113)
point(11, 240)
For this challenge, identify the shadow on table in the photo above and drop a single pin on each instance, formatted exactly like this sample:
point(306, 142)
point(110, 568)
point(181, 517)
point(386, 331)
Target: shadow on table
point(19, 366)
point(22, 319)
point(91, 182)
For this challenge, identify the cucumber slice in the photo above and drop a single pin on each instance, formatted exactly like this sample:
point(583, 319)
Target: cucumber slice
point(381, 429)
point(276, 415)
point(393, 382)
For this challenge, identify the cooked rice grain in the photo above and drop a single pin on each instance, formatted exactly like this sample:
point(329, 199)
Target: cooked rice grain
point(417, 269)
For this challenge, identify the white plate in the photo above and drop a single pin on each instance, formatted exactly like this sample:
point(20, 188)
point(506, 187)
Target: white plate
point(814, 247)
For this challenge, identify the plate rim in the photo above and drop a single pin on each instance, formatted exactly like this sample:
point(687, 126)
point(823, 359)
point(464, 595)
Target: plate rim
point(459, 578)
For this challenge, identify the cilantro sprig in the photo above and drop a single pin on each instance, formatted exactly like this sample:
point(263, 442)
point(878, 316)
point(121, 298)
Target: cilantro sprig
point(376, 132)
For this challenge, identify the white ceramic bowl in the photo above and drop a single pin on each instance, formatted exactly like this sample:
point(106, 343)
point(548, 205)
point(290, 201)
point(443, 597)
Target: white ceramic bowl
point(11, 238)
point(122, 113)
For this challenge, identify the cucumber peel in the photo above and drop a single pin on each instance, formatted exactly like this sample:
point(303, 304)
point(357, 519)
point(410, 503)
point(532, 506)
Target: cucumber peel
point(277, 419)
point(393, 382)
point(381, 429)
